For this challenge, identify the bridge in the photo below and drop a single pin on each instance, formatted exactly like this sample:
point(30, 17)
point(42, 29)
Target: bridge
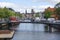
point(40, 22)
point(55, 25)
point(50, 24)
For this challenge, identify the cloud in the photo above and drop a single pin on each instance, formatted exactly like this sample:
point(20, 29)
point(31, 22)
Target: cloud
point(9, 5)
point(41, 7)
point(16, 7)
point(22, 9)
point(56, 1)
point(3, 4)
point(51, 1)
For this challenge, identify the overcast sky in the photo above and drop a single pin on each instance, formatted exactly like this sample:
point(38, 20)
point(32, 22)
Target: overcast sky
point(22, 5)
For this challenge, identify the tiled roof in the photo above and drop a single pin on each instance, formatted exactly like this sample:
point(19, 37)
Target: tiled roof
point(51, 9)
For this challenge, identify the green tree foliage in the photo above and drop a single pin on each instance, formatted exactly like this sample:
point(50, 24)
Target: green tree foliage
point(18, 14)
point(6, 13)
point(11, 9)
point(11, 13)
point(37, 15)
point(47, 14)
point(57, 11)
point(57, 7)
point(1, 13)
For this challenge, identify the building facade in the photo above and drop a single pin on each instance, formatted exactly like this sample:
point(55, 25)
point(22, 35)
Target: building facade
point(52, 10)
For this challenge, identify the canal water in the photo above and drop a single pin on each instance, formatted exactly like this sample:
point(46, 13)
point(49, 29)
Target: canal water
point(30, 31)
point(31, 27)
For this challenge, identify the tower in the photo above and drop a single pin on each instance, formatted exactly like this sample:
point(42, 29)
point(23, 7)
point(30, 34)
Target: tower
point(26, 14)
point(32, 13)
point(26, 11)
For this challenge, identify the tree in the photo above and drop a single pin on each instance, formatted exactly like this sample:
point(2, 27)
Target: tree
point(57, 11)
point(6, 13)
point(11, 9)
point(37, 14)
point(57, 5)
point(19, 15)
point(47, 14)
point(1, 13)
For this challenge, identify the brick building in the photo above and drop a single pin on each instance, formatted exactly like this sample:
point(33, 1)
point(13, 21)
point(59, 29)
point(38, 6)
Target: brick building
point(53, 12)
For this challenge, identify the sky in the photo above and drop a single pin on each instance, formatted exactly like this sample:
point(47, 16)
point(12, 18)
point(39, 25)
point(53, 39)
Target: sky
point(22, 5)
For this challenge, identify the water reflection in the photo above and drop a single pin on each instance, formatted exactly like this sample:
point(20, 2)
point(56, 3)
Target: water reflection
point(29, 31)
point(31, 27)
point(36, 36)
